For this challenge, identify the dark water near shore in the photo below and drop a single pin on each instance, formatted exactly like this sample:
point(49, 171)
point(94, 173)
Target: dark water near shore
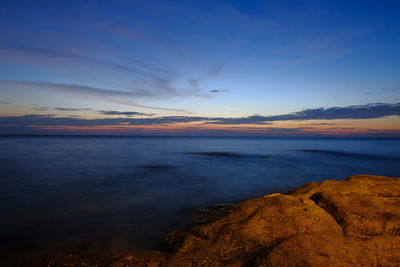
point(60, 193)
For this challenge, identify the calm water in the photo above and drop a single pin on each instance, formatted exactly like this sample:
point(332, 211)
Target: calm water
point(58, 193)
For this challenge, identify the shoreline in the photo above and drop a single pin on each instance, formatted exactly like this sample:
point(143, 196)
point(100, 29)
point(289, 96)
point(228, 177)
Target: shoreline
point(349, 222)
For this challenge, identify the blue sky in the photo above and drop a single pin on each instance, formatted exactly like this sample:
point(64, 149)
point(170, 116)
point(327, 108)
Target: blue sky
point(229, 59)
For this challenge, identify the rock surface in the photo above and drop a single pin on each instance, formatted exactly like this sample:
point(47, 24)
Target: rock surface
point(353, 222)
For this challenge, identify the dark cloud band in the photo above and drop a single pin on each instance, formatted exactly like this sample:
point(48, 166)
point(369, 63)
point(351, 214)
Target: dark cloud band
point(370, 111)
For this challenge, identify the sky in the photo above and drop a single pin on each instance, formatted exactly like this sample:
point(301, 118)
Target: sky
point(209, 67)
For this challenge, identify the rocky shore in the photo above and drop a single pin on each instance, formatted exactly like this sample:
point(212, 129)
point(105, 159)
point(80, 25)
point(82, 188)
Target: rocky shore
point(352, 222)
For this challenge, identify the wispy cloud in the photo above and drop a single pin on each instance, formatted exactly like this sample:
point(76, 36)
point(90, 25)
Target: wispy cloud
point(136, 78)
point(219, 91)
point(72, 109)
point(125, 113)
point(40, 108)
point(49, 58)
point(102, 112)
point(322, 124)
point(86, 92)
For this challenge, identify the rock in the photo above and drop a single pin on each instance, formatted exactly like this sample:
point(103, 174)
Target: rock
point(141, 259)
point(309, 249)
point(252, 228)
point(353, 222)
point(360, 215)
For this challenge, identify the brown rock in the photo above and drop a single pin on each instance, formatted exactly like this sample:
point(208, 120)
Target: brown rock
point(309, 250)
point(362, 215)
point(354, 222)
point(253, 227)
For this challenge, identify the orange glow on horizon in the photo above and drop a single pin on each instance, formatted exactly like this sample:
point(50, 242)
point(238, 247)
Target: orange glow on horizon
point(320, 127)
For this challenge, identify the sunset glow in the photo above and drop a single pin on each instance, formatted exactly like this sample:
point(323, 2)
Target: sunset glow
point(174, 68)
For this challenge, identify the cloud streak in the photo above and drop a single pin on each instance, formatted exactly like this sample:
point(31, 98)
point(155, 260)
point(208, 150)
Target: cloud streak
point(51, 120)
point(72, 109)
point(102, 112)
point(86, 92)
point(137, 78)
point(124, 113)
point(219, 91)
point(369, 111)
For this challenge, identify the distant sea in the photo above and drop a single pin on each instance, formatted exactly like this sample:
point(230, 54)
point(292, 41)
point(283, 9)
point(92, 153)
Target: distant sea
point(59, 193)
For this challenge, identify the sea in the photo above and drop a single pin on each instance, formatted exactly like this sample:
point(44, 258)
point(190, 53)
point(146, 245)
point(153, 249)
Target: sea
point(113, 193)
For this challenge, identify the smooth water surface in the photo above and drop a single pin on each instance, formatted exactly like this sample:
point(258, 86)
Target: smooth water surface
point(61, 193)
